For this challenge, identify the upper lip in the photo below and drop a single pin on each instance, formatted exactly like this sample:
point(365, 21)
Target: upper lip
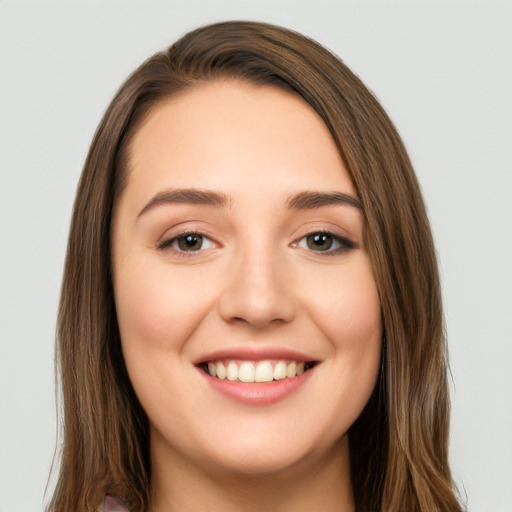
point(254, 354)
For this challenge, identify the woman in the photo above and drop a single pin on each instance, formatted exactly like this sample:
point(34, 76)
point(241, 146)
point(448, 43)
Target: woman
point(251, 315)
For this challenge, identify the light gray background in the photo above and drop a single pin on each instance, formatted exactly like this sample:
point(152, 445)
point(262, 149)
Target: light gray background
point(443, 71)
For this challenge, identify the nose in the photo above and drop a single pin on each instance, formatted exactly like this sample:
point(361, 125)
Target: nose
point(256, 291)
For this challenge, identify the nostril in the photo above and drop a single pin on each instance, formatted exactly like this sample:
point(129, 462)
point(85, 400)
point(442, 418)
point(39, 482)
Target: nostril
point(256, 298)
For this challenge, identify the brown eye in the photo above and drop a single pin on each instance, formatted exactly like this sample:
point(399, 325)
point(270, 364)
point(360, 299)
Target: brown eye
point(319, 241)
point(325, 242)
point(187, 243)
point(190, 242)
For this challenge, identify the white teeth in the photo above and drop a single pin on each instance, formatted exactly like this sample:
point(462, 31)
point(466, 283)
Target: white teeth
point(232, 372)
point(280, 370)
point(246, 372)
point(221, 370)
point(263, 372)
point(249, 371)
point(291, 370)
point(212, 369)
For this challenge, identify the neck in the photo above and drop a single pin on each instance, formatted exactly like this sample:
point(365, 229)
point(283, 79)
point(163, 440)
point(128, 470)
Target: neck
point(319, 483)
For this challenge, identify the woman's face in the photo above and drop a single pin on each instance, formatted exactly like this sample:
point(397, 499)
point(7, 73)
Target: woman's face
point(238, 251)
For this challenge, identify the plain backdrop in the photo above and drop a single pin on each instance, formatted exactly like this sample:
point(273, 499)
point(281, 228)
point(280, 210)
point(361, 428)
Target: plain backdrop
point(442, 70)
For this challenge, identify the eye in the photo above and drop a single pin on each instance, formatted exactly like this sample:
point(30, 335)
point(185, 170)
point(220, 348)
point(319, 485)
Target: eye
point(187, 242)
point(322, 241)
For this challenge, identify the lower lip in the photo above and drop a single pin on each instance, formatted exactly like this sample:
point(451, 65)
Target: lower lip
point(256, 393)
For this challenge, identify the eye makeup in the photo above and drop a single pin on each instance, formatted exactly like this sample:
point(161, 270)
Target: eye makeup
point(325, 242)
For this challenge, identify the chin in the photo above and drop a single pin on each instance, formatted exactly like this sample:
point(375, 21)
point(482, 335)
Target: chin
point(252, 453)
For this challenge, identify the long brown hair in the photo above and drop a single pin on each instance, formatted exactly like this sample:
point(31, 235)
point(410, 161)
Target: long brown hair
point(399, 444)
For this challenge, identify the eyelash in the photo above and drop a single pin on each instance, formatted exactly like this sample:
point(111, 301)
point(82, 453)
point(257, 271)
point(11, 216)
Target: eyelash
point(168, 243)
point(344, 243)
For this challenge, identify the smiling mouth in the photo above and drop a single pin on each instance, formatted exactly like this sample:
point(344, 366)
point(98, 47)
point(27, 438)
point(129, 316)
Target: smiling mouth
point(256, 371)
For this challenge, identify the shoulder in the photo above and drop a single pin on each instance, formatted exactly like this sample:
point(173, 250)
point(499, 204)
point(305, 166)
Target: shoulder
point(111, 504)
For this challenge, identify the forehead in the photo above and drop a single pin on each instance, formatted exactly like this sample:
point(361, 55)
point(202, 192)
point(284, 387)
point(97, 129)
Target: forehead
point(232, 134)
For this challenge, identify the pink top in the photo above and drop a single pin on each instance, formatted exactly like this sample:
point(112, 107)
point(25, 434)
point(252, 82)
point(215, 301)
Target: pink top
point(111, 504)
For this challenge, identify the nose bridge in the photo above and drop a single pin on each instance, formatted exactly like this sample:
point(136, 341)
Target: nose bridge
point(256, 291)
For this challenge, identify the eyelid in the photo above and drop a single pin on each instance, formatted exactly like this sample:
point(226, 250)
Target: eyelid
point(344, 243)
point(168, 241)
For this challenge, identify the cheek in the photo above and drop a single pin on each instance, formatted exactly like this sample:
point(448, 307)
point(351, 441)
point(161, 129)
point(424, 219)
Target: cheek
point(348, 310)
point(349, 315)
point(157, 309)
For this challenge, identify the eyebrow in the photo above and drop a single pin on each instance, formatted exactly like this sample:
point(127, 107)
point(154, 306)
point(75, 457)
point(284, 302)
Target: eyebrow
point(188, 196)
point(312, 200)
point(300, 201)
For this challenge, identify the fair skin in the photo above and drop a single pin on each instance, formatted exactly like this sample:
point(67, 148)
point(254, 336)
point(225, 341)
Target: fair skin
point(238, 240)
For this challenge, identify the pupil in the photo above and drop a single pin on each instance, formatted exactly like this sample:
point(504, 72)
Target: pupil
point(190, 242)
point(319, 242)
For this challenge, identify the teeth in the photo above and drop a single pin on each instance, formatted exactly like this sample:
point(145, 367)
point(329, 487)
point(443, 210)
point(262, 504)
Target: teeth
point(246, 372)
point(221, 370)
point(280, 371)
point(291, 370)
point(212, 369)
point(262, 371)
point(232, 372)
